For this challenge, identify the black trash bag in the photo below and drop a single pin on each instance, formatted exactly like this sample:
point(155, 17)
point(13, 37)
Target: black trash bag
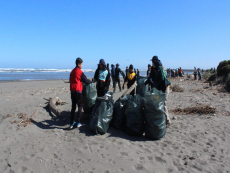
point(134, 116)
point(89, 95)
point(140, 81)
point(119, 113)
point(155, 124)
point(102, 115)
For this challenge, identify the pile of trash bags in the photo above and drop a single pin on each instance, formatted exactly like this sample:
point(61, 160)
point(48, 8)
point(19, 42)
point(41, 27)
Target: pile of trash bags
point(89, 95)
point(102, 114)
point(138, 115)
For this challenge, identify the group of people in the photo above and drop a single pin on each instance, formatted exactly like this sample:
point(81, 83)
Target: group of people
point(197, 72)
point(156, 77)
point(175, 72)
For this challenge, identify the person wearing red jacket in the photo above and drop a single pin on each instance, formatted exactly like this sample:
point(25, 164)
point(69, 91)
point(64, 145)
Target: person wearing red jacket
point(76, 78)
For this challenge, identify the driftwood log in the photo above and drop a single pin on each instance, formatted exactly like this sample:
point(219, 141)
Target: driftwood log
point(129, 90)
point(53, 102)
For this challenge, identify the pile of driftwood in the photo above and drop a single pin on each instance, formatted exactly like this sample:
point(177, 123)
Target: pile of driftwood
point(195, 110)
point(52, 103)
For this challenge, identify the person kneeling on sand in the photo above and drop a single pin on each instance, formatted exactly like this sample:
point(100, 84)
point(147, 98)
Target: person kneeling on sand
point(131, 78)
point(102, 77)
point(76, 87)
point(159, 80)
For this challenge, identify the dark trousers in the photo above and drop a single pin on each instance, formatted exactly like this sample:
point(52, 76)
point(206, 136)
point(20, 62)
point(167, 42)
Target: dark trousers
point(132, 92)
point(115, 84)
point(101, 91)
point(76, 100)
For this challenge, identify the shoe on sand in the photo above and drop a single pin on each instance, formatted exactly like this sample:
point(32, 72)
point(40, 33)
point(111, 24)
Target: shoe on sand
point(79, 125)
point(72, 125)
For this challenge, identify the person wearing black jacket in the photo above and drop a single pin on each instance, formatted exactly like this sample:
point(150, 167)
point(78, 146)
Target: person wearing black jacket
point(102, 77)
point(158, 80)
point(131, 77)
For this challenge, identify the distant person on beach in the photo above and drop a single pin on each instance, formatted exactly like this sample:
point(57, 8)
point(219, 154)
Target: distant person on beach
point(214, 70)
point(126, 71)
point(172, 73)
point(181, 74)
point(135, 71)
point(138, 72)
point(76, 87)
point(149, 70)
point(118, 71)
point(130, 78)
point(113, 74)
point(199, 74)
point(102, 77)
point(158, 80)
point(195, 74)
point(168, 72)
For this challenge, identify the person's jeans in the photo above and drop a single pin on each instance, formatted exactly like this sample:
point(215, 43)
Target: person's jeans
point(76, 100)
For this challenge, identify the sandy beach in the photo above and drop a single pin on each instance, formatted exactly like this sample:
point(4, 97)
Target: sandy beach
point(193, 143)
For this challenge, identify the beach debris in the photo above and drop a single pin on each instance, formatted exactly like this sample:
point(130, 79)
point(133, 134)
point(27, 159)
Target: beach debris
point(174, 118)
point(66, 81)
point(53, 102)
point(195, 110)
point(177, 88)
point(7, 116)
point(206, 132)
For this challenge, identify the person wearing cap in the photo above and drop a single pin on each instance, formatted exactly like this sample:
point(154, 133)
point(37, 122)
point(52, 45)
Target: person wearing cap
point(158, 80)
point(130, 78)
point(102, 77)
point(117, 77)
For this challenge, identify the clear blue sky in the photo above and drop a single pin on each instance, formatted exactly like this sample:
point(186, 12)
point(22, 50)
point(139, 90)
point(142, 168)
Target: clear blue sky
point(52, 34)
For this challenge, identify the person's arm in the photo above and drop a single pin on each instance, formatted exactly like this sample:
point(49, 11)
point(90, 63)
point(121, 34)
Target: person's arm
point(85, 79)
point(122, 73)
point(95, 76)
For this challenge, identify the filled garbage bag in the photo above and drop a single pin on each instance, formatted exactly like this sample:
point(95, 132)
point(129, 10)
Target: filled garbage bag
point(134, 116)
point(140, 81)
point(119, 112)
point(155, 124)
point(89, 95)
point(102, 115)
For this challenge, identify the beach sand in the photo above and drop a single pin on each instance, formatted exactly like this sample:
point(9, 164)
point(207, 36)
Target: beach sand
point(193, 143)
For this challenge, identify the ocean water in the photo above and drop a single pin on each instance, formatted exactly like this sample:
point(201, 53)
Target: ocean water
point(11, 74)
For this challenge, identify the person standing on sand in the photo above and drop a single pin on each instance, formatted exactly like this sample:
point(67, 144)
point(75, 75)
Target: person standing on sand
point(195, 74)
point(113, 75)
point(199, 74)
point(130, 78)
point(158, 80)
point(102, 77)
point(117, 77)
point(149, 70)
point(126, 71)
point(76, 87)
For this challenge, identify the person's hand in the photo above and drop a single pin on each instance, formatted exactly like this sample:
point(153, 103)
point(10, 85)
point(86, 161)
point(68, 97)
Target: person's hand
point(93, 80)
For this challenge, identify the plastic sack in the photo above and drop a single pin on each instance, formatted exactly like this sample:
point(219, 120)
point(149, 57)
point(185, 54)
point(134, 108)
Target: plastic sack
point(140, 81)
point(155, 124)
point(89, 95)
point(119, 112)
point(134, 116)
point(102, 115)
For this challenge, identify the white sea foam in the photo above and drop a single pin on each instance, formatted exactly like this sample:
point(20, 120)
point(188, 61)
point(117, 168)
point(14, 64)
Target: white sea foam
point(33, 70)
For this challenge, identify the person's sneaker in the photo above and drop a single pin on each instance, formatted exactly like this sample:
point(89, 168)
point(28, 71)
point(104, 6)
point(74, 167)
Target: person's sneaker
point(72, 125)
point(79, 125)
